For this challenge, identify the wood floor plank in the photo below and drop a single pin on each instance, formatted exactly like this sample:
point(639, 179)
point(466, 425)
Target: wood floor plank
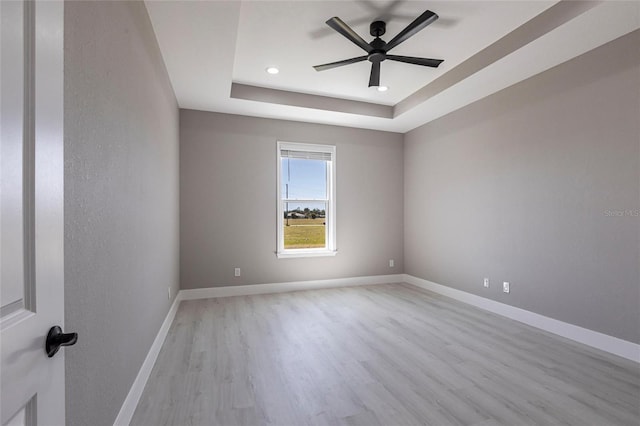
point(377, 355)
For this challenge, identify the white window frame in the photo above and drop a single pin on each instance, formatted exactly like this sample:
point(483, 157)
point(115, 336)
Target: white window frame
point(330, 211)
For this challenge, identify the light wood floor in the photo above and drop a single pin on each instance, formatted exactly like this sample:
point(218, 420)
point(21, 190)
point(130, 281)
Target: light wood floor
point(376, 355)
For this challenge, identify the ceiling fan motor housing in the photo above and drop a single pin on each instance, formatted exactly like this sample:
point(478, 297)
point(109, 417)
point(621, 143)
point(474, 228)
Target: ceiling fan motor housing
point(378, 54)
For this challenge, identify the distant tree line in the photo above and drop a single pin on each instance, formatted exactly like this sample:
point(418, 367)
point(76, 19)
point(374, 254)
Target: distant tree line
point(305, 213)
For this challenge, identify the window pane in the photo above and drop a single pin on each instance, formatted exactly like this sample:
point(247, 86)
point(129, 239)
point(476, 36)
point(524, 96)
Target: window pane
point(304, 179)
point(304, 225)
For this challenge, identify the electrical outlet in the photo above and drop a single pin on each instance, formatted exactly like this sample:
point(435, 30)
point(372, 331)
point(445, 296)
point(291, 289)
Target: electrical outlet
point(392, 263)
point(168, 293)
point(486, 283)
point(505, 287)
point(236, 272)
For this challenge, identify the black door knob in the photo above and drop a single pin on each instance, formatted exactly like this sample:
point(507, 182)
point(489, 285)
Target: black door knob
point(57, 338)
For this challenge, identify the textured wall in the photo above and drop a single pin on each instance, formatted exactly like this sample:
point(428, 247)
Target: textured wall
point(526, 186)
point(121, 201)
point(228, 201)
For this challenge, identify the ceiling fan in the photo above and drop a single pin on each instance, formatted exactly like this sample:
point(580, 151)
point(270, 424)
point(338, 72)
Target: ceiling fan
point(378, 48)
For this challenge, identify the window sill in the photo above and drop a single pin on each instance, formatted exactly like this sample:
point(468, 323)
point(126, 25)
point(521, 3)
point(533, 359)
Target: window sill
point(305, 253)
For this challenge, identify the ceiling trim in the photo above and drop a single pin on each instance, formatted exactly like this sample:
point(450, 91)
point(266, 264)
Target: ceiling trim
point(327, 103)
point(557, 15)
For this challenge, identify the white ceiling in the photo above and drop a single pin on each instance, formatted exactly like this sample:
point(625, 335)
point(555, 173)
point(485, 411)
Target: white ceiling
point(292, 40)
point(208, 45)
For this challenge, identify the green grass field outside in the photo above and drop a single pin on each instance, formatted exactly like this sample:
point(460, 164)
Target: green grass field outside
point(304, 233)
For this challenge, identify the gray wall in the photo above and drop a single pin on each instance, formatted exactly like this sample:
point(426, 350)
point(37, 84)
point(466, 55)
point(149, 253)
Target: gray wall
point(228, 201)
point(121, 201)
point(518, 187)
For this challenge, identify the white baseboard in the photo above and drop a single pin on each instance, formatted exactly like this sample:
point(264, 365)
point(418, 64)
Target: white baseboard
point(133, 397)
point(585, 336)
point(244, 290)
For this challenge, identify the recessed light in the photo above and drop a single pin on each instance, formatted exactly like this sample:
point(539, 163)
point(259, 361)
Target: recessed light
point(382, 88)
point(273, 70)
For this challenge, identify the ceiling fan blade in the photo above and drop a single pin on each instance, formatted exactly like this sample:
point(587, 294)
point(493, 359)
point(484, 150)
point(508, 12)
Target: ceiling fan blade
point(374, 79)
point(339, 25)
point(416, 61)
point(339, 63)
point(420, 22)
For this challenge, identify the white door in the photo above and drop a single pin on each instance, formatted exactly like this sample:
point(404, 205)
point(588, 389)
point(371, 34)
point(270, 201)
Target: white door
point(31, 211)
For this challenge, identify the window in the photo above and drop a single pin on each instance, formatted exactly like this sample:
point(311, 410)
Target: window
point(306, 200)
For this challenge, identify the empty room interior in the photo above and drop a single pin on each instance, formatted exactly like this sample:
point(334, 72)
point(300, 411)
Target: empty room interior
point(320, 213)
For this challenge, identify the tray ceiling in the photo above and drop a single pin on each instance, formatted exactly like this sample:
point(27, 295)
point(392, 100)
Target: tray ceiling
point(216, 53)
